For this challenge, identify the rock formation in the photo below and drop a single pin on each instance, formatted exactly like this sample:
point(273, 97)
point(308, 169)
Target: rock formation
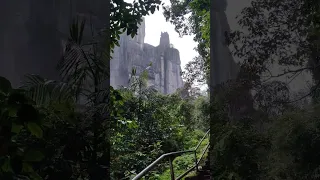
point(31, 33)
point(164, 74)
point(228, 69)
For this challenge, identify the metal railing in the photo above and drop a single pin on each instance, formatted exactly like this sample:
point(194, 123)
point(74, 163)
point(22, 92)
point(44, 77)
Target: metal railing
point(171, 158)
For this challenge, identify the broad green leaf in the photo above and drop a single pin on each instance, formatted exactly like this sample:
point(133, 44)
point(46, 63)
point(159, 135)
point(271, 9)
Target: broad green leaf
point(5, 85)
point(26, 167)
point(35, 129)
point(16, 128)
point(132, 124)
point(6, 166)
point(33, 156)
point(12, 112)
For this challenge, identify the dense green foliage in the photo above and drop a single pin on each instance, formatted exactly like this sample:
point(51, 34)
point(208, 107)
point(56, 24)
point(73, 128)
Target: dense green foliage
point(151, 124)
point(147, 125)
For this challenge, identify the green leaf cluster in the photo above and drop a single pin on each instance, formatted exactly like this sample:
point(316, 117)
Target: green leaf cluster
point(20, 124)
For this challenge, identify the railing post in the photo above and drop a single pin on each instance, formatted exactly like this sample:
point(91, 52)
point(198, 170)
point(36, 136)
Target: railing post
point(171, 168)
point(196, 161)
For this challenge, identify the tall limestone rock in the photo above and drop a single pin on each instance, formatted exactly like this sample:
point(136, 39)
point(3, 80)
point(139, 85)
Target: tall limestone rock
point(164, 74)
point(31, 32)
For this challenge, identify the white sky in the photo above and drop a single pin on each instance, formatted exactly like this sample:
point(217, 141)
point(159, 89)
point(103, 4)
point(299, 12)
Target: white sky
point(156, 23)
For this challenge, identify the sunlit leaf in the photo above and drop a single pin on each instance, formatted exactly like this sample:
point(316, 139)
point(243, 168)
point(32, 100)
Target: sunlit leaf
point(16, 128)
point(35, 129)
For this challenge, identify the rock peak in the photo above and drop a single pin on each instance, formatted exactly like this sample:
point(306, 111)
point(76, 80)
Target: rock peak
point(164, 74)
point(164, 39)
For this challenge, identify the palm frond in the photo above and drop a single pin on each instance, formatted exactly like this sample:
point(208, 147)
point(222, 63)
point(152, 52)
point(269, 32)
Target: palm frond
point(80, 63)
point(75, 65)
point(76, 33)
point(44, 91)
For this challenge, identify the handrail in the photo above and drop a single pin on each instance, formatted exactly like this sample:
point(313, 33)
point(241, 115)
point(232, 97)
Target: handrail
point(202, 140)
point(195, 166)
point(148, 168)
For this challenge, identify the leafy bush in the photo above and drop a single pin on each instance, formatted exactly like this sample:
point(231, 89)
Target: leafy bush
point(295, 138)
point(148, 125)
point(238, 152)
point(20, 131)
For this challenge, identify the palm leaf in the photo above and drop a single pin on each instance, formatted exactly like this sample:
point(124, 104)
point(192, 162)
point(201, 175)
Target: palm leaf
point(43, 91)
point(81, 64)
point(75, 65)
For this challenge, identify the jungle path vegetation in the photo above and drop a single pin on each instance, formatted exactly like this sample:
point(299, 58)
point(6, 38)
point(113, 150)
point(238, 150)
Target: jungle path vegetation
point(53, 129)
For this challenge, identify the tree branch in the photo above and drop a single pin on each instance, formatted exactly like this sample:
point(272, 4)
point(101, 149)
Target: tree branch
point(306, 95)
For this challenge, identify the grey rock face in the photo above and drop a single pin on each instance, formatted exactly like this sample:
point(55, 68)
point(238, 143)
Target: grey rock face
point(228, 68)
point(31, 33)
point(165, 71)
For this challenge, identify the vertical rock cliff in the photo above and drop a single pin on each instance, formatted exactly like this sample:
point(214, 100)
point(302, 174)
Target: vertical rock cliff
point(228, 68)
point(164, 74)
point(31, 33)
